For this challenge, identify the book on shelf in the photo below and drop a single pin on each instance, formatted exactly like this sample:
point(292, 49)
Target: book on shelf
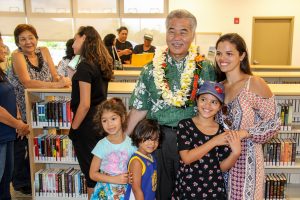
point(68, 182)
point(280, 152)
point(53, 113)
point(289, 111)
point(286, 116)
point(275, 186)
point(51, 148)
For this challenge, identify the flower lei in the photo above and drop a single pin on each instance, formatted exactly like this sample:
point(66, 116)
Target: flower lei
point(180, 97)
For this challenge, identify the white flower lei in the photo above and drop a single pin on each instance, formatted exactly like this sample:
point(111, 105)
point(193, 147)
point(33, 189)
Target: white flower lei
point(179, 97)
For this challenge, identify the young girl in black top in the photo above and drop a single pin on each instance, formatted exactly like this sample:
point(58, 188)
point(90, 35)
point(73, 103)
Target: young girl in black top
point(203, 156)
point(89, 89)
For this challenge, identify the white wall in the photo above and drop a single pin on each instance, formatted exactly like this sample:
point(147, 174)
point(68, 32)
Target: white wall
point(218, 15)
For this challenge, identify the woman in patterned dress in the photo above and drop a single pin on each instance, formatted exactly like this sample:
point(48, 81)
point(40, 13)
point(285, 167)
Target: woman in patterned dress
point(32, 68)
point(249, 109)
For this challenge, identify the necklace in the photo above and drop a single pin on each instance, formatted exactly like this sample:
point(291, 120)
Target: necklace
point(180, 97)
point(40, 62)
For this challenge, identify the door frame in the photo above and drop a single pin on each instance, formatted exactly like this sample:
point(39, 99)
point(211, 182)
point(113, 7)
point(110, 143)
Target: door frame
point(291, 18)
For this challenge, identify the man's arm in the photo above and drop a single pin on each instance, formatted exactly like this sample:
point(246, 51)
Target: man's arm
point(134, 117)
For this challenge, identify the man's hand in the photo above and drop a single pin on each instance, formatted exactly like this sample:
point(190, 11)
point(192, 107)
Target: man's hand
point(124, 52)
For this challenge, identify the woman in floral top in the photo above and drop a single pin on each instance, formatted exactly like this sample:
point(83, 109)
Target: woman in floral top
point(250, 109)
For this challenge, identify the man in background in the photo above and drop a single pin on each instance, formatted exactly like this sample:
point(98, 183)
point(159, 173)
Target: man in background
point(146, 47)
point(124, 48)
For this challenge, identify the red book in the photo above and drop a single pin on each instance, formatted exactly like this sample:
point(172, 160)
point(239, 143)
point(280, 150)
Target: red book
point(69, 115)
point(58, 150)
point(36, 147)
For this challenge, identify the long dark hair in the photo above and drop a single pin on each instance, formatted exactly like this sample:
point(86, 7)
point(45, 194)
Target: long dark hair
point(69, 50)
point(241, 47)
point(94, 51)
point(109, 39)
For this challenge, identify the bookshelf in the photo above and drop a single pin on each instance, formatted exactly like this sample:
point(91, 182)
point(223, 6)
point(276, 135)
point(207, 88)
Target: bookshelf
point(282, 153)
point(284, 93)
point(275, 68)
point(50, 173)
point(293, 192)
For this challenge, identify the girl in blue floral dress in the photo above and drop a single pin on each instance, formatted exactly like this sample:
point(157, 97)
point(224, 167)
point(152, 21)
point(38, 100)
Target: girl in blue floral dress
point(204, 149)
point(112, 153)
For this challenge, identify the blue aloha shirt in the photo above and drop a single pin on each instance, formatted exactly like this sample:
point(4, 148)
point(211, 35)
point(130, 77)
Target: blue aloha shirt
point(147, 97)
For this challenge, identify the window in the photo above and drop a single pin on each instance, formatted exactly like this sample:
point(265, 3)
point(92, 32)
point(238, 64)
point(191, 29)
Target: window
point(11, 6)
point(8, 24)
point(103, 26)
point(58, 29)
point(138, 27)
point(143, 6)
point(58, 20)
point(97, 6)
point(50, 6)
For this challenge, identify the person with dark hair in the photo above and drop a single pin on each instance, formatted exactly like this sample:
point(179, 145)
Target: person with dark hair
point(250, 110)
point(124, 47)
point(9, 123)
point(32, 68)
point(142, 164)
point(205, 149)
point(110, 43)
point(112, 153)
point(146, 47)
point(62, 68)
point(166, 92)
point(89, 89)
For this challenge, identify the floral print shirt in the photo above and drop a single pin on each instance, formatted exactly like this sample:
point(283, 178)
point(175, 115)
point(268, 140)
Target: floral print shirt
point(147, 97)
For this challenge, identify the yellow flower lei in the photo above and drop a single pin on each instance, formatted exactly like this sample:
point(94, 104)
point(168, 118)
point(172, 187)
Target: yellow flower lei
point(179, 97)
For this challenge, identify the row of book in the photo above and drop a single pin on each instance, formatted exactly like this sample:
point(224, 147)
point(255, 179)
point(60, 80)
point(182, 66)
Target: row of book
point(289, 110)
point(295, 134)
point(275, 186)
point(280, 152)
point(54, 113)
point(286, 115)
point(60, 183)
point(49, 147)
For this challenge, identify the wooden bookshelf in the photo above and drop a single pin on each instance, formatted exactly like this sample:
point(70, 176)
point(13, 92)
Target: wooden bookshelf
point(126, 75)
point(295, 169)
point(275, 68)
point(124, 91)
point(293, 191)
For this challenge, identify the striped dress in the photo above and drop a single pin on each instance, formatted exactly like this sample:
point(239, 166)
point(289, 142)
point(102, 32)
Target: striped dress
point(259, 116)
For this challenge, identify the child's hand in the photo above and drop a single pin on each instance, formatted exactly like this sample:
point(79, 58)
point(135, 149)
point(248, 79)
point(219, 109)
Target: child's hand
point(130, 178)
point(221, 139)
point(234, 142)
point(121, 179)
